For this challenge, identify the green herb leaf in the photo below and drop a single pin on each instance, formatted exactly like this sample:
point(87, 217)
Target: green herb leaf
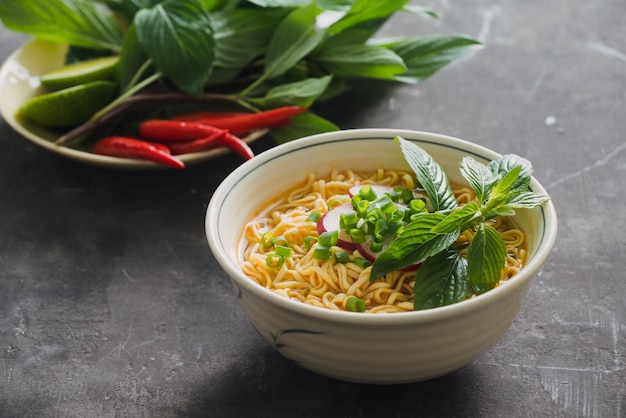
point(458, 218)
point(177, 35)
point(132, 60)
point(425, 55)
point(416, 243)
point(302, 125)
point(353, 60)
point(503, 191)
point(421, 11)
point(486, 256)
point(479, 176)
point(441, 280)
point(364, 11)
point(508, 162)
point(281, 3)
point(527, 200)
point(430, 175)
point(242, 35)
point(300, 93)
point(293, 39)
point(76, 22)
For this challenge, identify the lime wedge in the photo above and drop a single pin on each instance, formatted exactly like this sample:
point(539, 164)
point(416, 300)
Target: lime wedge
point(80, 73)
point(68, 107)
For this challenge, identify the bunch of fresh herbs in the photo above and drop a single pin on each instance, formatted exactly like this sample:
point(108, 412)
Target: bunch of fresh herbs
point(446, 276)
point(258, 54)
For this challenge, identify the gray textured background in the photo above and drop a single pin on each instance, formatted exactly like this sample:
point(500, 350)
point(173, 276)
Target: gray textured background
point(111, 304)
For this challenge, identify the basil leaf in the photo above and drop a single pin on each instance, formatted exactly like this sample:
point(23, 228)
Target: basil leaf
point(458, 218)
point(75, 22)
point(177, 35)
point(360, 61)
point(486, 256)
point(430, 176)
point(132, 59)
point(441, 280)
point(425, 55)
point(479, 176)
point(416, 243)
point(300, 93)
point(242, 34)
point(364, 11)
point(280, 3)
point(421, 11)
point(293, 39)
point(302, 125)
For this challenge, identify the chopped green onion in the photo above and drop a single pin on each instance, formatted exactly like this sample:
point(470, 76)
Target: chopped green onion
point(367, 192)
point(309, 240)
point(348, 220)
point(314, 216)
point(357, 235)
point(405, 193)
point(376, 246)
point(321, 252)
point(362, 207)
point(342, 257)
point(274, 260)
point(393, 195)
point(334, 202)
point(267, 240)
point(361, 262)
point(417, 205)
point(280, 241)
point(283, 251)
point(354, 304)
point(329, 238)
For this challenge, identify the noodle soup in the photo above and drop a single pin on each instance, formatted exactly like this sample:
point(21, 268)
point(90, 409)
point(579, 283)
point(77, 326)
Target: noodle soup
point(333, 284)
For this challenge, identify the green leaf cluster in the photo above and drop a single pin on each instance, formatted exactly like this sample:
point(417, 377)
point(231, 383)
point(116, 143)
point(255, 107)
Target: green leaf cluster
point(261, 53)
point(446, 276)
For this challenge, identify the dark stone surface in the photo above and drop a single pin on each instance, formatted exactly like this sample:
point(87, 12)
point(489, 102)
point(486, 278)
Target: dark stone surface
point(111, 304)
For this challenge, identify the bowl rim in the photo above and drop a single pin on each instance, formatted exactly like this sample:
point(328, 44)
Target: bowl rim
point(548, 239)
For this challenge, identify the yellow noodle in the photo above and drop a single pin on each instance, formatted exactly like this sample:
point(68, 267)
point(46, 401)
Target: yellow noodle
point(326, 284)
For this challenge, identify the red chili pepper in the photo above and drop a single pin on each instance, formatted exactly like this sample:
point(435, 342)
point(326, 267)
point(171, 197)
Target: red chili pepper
point(196, 116)
point(119, 146)
point(251, 121)
point(172, 130)
point(202, 144)
point(223, 138)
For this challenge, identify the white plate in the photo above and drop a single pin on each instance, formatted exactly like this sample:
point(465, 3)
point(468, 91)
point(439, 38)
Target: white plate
point(19, 82)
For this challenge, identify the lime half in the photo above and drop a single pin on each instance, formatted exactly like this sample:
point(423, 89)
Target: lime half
point(68, 107)
point(80, 73)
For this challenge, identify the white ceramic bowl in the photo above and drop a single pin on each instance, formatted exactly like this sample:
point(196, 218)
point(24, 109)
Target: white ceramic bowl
point(357, 347)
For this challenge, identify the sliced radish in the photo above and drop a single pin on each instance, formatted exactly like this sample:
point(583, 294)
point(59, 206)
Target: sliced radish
point(330, 222)
point(379, 189)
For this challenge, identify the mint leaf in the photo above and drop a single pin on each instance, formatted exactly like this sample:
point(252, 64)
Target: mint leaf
point(508, 162)
point(441, 280)
point(300, 93)
point(353, 60)
point(416, 243)
point(293, 39)
point(503, 191)
point(425, 55)
point(527, 200)
point(479, 176)
point(302, 125)
point(486, 256)
point(430, 176)
point(75, 22)
point(458, 218)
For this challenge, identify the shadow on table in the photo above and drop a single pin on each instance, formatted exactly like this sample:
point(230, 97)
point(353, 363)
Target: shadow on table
point(272, 386)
